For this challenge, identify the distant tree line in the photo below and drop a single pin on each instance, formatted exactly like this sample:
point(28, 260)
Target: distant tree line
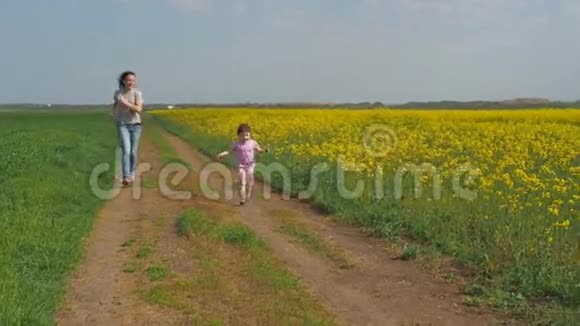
point(433, 105)
point(473, 105)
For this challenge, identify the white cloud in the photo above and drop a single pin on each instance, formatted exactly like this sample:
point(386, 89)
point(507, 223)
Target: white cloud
point(571, 8)
point(192, 5)
point(442, 6)
point(474, 7)
point(289, 19)
point(240, 7)
point(372, 3)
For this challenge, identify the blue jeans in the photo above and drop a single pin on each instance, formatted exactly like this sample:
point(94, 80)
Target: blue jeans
point(129, 136)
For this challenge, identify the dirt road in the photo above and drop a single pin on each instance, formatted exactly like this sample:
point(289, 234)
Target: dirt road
point(357, 279)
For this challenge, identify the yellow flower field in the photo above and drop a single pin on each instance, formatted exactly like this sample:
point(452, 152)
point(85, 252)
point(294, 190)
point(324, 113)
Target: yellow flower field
point(519, 153)
point(521, 167)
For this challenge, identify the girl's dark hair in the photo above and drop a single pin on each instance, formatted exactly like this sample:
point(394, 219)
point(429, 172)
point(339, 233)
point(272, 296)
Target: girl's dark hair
point(123, 76)
point(243, 128)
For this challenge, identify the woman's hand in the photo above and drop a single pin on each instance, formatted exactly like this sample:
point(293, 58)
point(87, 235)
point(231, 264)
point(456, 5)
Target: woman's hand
point(130, 107)
point(134, 109)
point(126, 104)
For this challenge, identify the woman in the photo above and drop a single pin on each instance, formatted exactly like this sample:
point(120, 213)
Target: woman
point(127, 109)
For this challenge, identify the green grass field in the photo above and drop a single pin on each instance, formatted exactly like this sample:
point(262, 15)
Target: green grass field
point(237, 267)
point(46, 205)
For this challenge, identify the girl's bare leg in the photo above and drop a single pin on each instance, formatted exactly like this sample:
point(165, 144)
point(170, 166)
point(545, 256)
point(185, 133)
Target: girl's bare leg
point(249, 192)
point(243, 183)
point(250, 181)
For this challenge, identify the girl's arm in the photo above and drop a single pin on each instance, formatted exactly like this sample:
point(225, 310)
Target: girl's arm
point(222, 154)
point(260, 149)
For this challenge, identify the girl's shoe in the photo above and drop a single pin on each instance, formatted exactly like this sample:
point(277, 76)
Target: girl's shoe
point(126, 181)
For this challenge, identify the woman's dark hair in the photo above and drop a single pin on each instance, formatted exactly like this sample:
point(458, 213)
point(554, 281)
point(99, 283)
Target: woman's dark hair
point(243, 128)
point(123, 76)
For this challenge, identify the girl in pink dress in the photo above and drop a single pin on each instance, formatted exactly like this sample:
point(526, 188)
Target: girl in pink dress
point(244, 149)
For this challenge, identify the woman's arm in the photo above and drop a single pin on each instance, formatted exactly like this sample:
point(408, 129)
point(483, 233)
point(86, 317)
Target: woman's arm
point(113, 106)
point(134, 108)
point(137, 107)
point(139, 104)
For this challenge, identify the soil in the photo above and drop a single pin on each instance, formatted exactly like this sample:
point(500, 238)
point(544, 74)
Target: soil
point(374, 289)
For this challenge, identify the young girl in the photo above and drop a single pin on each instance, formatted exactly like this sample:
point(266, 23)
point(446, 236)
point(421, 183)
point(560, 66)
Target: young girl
point(244, 149)
point(126, 111)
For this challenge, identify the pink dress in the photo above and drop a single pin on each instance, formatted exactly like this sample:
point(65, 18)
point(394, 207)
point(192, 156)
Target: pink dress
point(244, 152)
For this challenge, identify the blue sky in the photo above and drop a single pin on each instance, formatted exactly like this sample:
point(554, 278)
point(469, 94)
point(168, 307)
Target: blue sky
point(70, 51)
